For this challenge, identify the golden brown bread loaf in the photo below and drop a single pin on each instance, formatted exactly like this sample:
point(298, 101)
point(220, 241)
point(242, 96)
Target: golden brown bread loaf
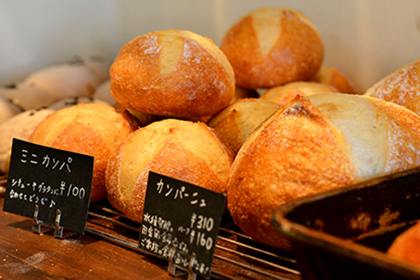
point(401, 87)
point(285, 93)
point(330, 76)
point(234, 124)
point(406, 246)
point(184, 150)
point(272, 46)
point(315, 144)
point(92, 129)
point(172, 73)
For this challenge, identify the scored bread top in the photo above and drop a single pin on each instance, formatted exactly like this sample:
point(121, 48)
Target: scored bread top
point(235, 123)
point(102, 119)
point(173, 73)
point(315, 144)
point(285, 93)
point(272, 46)
point(295, 153)
point(92, 129)
point(401, 87)
point(383, 137)
point(184, 150)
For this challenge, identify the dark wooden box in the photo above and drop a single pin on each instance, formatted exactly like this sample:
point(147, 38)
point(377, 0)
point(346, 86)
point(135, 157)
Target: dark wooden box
point(344, 234)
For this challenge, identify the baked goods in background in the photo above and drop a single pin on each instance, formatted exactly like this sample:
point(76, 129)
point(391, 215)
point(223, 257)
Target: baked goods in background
point(331, 76)
point(401, 87)
point(271, 46)
point(103, 92)
point(27, 97)
point(172, 73)
point(20, 127)
point(91, 129)
point(7, 110)
point(73, 101)
point(76, 78)
point(315, 144)
point(234, 124)
point(184, 150)
point(285, 93)
point(406, 246)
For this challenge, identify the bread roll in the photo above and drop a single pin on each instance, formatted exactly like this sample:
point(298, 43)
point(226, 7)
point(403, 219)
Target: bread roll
point(273, 46)
point(286, 93)
point(76, 78)
point(91, 129)
point(407, 245)
point(183, 150)
point(315, 144)
point(331, 76)
point(234, 124)
point(20, 127)
point(172, 73)
point(401, 87)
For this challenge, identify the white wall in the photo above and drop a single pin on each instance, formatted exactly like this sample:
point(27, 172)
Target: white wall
point(365, 39)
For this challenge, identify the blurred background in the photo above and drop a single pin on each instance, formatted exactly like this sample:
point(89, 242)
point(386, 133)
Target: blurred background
point(364, 39)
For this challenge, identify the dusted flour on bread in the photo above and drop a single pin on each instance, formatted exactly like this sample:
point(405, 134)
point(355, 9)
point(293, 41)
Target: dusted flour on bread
point(184, 150)
point(172, 73)
point(273, 46)
point(401, 87)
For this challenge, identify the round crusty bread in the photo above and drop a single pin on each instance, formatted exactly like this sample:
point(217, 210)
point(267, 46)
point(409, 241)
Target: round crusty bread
point(272, 46)
point(285, 93)
point(331, 76)
point(315, 144)
point(92, 129)
point(184, 150)
point(401, 87)
point(234, 124)
point(172, 73)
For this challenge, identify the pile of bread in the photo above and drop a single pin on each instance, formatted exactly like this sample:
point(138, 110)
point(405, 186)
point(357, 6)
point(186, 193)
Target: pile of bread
point(259, 118)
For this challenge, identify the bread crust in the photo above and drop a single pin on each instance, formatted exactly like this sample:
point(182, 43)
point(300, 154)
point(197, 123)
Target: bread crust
point(172, 73)
point(305, 149)
point(272, 46)
point(285, 93)
point(331, 76)
point(401, 87)
point(234, 124)
point(183, 150)
point(92, 129)
point(278, 164)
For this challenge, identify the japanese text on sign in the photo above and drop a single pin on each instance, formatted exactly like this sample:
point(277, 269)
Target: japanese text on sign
point(49, 180)
point(189, 221)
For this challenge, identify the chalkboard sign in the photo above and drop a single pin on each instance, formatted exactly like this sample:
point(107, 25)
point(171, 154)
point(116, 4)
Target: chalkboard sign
point(51, 179)
point(181, 214)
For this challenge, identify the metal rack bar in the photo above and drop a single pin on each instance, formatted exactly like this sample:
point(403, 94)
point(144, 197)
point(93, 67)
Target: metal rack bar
point(259, 265)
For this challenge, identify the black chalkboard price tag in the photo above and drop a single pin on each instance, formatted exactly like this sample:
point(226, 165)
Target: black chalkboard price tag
point(51, 181)
point(182, 216)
